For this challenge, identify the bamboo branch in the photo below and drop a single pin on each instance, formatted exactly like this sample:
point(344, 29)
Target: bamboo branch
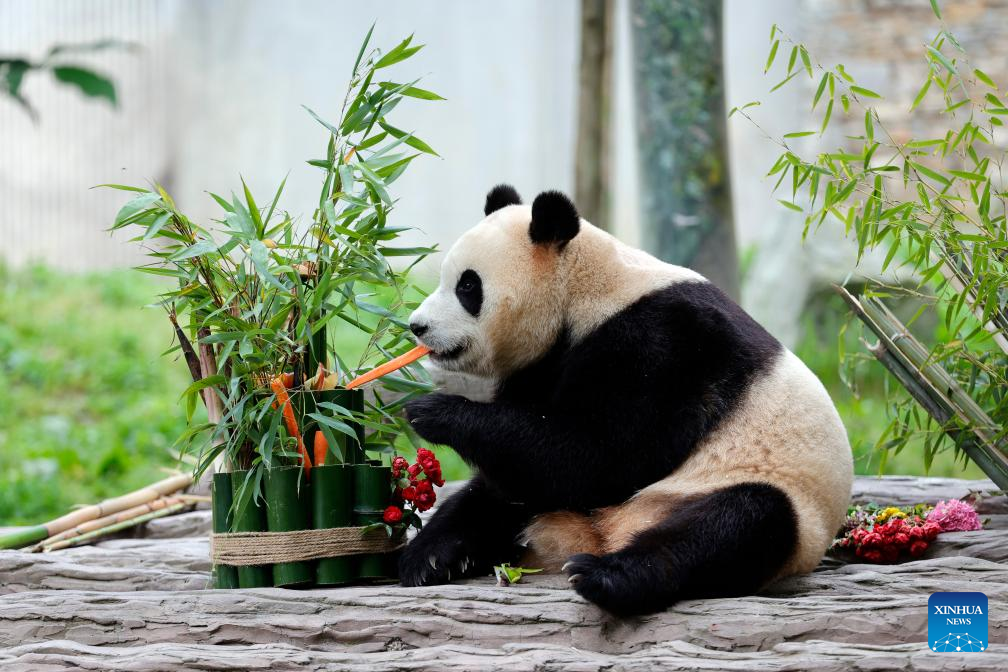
point(111, 519)
point(117, 527)
point(931, 386)
point(30, 535)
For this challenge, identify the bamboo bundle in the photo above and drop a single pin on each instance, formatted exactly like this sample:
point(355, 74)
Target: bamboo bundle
point(31, 535)
point(932, 387)
point(117, 527)
point(105, 521)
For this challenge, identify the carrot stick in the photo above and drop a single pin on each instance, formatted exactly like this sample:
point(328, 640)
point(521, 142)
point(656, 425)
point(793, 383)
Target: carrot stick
point(321, 448)
point(288, 415)
point(389, 366)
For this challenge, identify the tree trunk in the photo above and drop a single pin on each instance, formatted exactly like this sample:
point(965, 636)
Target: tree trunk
point(591, 179)
point(685, 188)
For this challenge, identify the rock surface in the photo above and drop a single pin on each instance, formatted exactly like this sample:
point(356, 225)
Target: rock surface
point(142, 603)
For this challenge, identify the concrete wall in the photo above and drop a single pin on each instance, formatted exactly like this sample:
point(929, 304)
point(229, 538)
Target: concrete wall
point(218, 89)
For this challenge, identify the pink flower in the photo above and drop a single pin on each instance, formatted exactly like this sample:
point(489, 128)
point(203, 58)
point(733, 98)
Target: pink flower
point(954, 515)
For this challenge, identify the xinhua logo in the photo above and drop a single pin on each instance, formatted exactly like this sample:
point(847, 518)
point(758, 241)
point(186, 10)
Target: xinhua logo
point(957, 622)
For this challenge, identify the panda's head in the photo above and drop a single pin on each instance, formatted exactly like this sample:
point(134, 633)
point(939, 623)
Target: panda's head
point(500, 302)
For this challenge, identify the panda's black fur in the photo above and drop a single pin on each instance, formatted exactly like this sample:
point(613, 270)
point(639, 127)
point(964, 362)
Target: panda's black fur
point(548, 441)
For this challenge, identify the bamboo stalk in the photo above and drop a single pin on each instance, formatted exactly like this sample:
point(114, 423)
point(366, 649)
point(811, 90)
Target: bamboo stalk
point(970, 412)
point(114, 505)
point(111, 519)
point(925, 395)
point(919, 377)
point(117, 527)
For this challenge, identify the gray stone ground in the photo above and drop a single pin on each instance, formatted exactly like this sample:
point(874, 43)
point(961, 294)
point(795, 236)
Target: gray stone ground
point(142, 603)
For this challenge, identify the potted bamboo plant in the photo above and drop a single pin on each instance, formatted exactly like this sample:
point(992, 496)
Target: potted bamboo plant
point(254, 303)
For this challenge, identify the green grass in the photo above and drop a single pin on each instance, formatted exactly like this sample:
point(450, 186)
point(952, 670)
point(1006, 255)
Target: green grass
point(91, 408)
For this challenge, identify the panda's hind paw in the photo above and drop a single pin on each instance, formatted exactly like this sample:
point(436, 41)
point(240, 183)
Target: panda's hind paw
point(615, 585)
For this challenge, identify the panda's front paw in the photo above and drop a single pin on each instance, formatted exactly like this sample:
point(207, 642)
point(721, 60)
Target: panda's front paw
point(430, 564)
point(434, 416)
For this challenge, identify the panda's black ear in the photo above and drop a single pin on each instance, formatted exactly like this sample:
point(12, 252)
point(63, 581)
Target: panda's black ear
point(554, 219)
point(500, 196)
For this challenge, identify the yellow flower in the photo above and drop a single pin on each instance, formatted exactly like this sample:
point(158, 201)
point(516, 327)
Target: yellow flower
point(889, 512)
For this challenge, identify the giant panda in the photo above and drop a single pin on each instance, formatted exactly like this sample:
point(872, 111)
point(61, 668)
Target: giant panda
point(639, 431)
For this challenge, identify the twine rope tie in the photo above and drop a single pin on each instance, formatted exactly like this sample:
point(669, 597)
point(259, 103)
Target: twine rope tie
point(266, 548)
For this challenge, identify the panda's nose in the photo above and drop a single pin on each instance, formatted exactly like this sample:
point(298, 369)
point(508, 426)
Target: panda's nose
point(418, 329)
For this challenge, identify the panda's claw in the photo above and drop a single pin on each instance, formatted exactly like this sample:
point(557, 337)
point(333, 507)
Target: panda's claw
point(566, 566)
point(573, 579)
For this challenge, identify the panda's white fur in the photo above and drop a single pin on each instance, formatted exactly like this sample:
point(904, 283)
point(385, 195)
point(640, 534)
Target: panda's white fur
point(785, 431)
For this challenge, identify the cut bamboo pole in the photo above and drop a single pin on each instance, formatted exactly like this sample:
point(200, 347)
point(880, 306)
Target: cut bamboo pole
point(117, 527)
point(144, 495)
point(112, 519)
point(930, 385)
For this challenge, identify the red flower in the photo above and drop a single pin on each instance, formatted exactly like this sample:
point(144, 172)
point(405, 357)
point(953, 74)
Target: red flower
point(414, 470)
point(918, 547)
point(393, 515)
point(435, 477)
point(425, 496)
point(398, 464)
point(409, 493)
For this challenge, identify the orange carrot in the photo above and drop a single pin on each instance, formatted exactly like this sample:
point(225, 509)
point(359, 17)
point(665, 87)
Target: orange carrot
point(321, 448)
point(287, 379)
point(389, 366)
point(283, 399)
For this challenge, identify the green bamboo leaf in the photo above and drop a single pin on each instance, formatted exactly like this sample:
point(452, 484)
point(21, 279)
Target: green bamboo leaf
point(743, 107)
point(332, 129)
point(869, 126)
point(789, 205)
point(920, 94)
point(158, 224)
point(134, 207)
point(934, 8)
point(966, 175)
point(940, 57)
point(983, 77)
point(792, 59)
point(861, 91)
point(806, 61)
point(934, 175)
point(276, 198)
point(86, 81)
point(408, 138)
point(799, 134)
point(253, 210)
point(197, 249)
point(399, 53)
point(363, 46)
point(122, 187)
point(826, 117)
point(422, 94)
point(820, 90)
point(772, 56)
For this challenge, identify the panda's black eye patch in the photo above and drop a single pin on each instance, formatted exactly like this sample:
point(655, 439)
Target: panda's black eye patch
point(469, 291)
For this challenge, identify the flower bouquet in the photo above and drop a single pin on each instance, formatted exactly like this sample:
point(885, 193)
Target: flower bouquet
point(886, 534)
